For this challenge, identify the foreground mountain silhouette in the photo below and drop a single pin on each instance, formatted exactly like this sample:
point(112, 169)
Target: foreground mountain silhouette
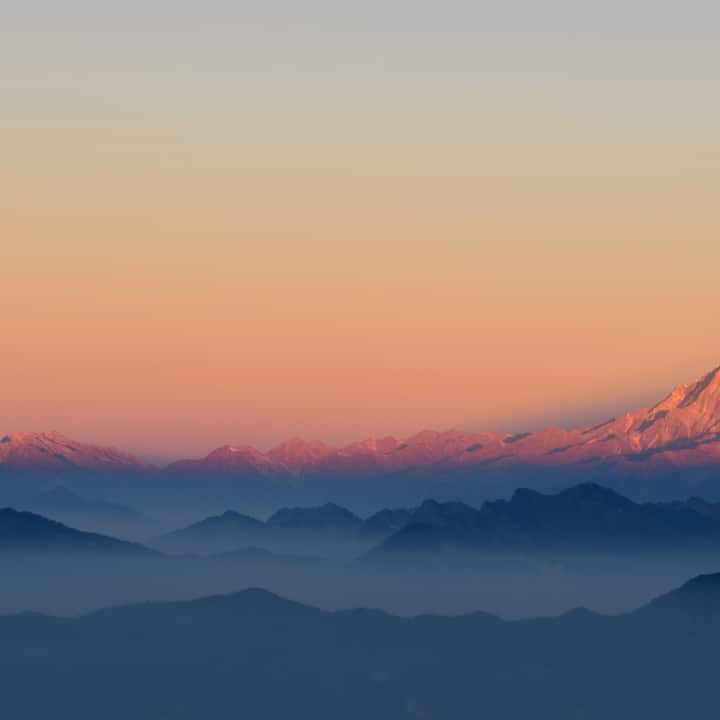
point(682, 432)
point(254, 654)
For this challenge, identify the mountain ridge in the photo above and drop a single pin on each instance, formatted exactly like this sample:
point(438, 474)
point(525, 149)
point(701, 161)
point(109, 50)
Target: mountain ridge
point(680, 431)
point(683, 429)
point(581, 519)
point(54, 451)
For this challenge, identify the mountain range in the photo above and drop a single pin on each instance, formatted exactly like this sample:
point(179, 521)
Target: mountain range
point(268, 658)
point(679, 434)
point(586, 545)
point(328, 531)
point(683, 429)
point(322, 530)
point(581, 520)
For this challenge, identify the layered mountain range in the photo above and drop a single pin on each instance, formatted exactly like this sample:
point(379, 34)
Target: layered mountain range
point(586, 519)
point(681, 431)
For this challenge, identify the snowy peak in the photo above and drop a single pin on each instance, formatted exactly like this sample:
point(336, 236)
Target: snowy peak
point(229, 459)
point(704, 393)
point(55, 451)
point(689, 415)
point(296, 454)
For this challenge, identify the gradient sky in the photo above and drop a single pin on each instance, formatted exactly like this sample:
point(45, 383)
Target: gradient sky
point(239, 221)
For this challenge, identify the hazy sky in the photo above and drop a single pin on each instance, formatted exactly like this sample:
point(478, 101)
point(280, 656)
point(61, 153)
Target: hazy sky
point(230, 221)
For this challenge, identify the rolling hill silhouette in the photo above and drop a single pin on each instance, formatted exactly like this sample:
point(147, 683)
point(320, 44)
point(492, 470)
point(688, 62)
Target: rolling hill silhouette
point(266, 657)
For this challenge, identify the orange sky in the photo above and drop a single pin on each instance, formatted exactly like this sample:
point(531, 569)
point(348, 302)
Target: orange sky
point(361, 239)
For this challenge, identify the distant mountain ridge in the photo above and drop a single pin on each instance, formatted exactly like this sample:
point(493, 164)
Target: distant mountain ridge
point(53, 451)
point(680, 432)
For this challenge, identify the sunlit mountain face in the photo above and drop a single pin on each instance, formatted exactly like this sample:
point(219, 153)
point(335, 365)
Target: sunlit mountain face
point(54, 451)
point(680, 431)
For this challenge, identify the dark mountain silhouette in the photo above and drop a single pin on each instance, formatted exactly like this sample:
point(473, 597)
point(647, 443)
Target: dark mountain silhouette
point(324, 527)
point(386, 522)
point(584, 518)
point(699, 598)
point(27, 533)
point(581, 519)
point(700, 506)
point(228, 531)
point(328, 519)
point(269, 658)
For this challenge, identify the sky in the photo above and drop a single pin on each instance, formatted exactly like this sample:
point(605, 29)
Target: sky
point(234, 222)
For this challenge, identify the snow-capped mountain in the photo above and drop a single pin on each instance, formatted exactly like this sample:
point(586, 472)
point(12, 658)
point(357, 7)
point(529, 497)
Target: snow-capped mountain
point(54, 451)
point(681, 430)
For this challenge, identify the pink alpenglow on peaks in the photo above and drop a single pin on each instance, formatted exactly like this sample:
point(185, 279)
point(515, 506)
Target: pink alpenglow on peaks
point(683, 430)
point(54, 451)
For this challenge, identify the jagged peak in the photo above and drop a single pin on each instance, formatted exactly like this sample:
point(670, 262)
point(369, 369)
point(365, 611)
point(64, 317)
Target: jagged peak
point(708, 384)
point(52, 448)
point(685, 395)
